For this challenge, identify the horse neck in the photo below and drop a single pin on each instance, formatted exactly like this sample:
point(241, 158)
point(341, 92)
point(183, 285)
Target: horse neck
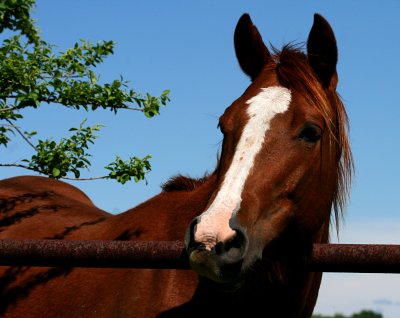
point(303, 284)
point(165, 216)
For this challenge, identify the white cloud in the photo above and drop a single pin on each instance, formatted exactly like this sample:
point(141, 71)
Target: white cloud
point(348, 293)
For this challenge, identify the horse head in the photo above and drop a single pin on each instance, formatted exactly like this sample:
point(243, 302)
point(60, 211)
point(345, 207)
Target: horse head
point(285, 161)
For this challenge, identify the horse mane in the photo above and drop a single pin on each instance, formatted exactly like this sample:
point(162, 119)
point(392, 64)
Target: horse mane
point(293, 71)
point(183, 183)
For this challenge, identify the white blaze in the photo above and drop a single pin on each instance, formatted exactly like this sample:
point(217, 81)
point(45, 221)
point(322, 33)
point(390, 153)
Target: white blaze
point(214, 222)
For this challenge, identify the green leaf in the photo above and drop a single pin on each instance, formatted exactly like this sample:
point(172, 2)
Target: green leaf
point(56, 172)
point(92, 77)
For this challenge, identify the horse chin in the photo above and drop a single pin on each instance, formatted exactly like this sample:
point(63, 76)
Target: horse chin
point(227, 287)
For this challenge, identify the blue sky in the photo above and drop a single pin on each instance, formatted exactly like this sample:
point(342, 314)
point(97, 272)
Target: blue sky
point(187, 47)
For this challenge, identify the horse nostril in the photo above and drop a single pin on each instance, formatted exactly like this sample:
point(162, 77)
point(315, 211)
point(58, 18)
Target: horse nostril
point(189, 236)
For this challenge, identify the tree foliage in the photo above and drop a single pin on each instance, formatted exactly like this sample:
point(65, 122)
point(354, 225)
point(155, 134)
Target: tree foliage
point(361, 314)
point(32, 73)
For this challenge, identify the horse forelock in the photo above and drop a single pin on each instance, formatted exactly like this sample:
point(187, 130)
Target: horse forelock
point(294, 72)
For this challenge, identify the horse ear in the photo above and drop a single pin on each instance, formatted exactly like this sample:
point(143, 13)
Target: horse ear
point(251, 52)
point(322, 51)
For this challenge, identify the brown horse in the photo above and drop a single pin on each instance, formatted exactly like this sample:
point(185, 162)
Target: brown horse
point(283, 174)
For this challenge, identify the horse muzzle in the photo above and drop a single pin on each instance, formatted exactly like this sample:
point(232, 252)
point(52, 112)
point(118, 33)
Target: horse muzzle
point(220, 260)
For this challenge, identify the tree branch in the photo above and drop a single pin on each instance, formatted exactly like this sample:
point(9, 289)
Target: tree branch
point(15, 165)
point(9, 108)
point(65, 178)
point(85, 179)
point(51, 100)
point(21, 134)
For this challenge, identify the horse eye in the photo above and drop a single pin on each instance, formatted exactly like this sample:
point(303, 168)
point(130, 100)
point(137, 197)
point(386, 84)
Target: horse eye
point(310, 133)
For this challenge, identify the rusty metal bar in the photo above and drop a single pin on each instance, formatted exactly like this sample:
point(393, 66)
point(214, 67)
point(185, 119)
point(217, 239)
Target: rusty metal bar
point(93, 253)
point(355, 258)
point(361, 258)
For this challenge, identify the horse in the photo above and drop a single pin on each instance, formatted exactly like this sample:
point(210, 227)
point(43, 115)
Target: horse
point(280, 185)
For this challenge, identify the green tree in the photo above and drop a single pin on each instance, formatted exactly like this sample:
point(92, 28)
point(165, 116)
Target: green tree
point(32, 73)
point(361, 314)
point(367, 314)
